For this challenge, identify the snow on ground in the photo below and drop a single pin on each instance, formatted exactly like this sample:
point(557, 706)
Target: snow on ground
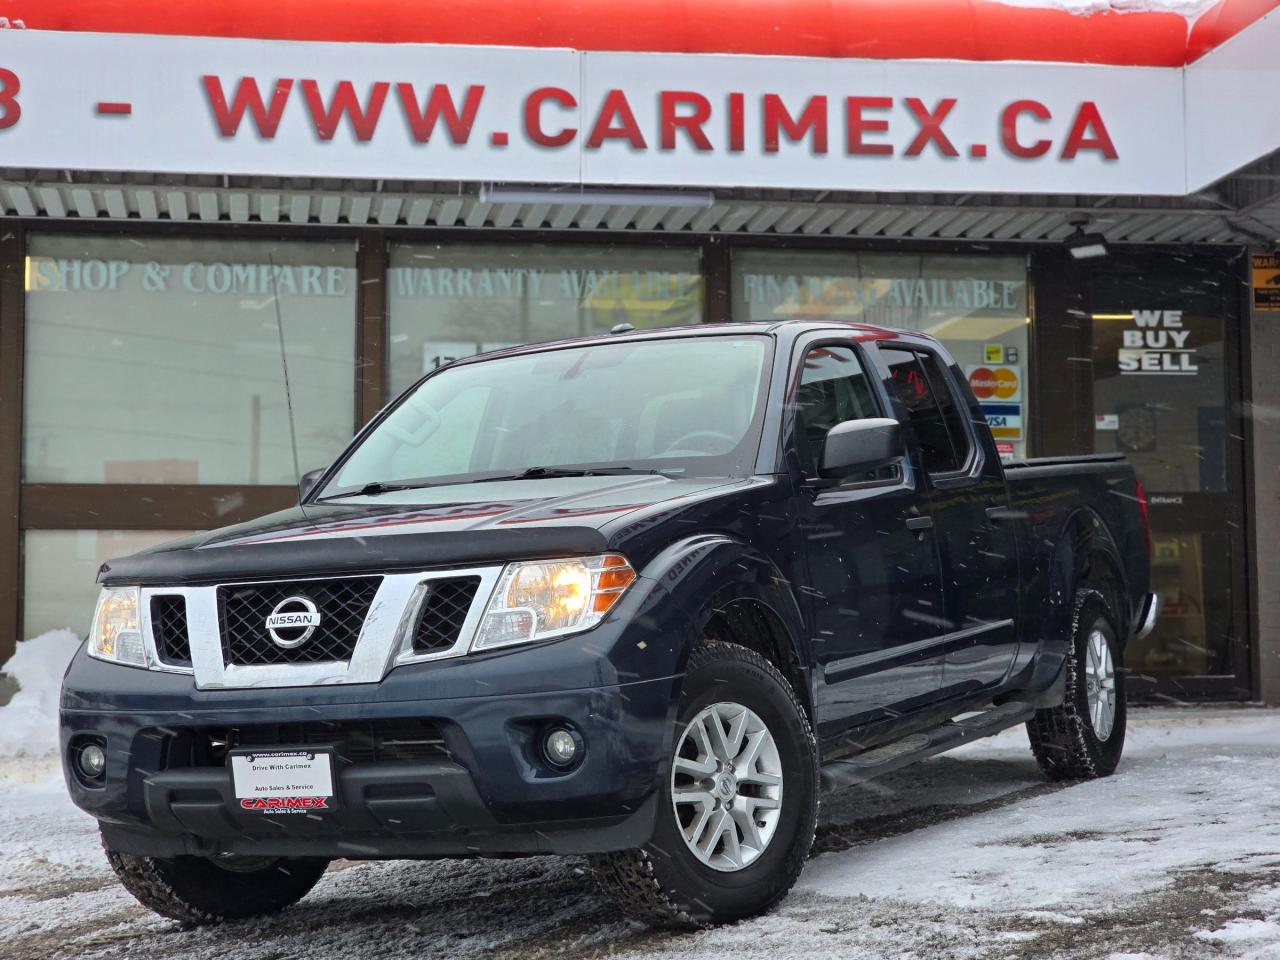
point(969, 855)
point(29, 724)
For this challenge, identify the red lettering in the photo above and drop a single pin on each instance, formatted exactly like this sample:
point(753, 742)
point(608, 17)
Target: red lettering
point(284, 803)
point(440, 105)
point(777, 121)
point(364, 120)
point(931, 127)
point(737, 113)
point(616, 108)
point(1088, 119)
point(9, 87)
point(858, 125)
point(533, 116)
point(247, 97)
point(1009, 129)
point(669, 103)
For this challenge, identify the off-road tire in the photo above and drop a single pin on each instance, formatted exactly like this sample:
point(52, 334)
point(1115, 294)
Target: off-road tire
point(663, 883)
point(196, 891)
point(1062, 737)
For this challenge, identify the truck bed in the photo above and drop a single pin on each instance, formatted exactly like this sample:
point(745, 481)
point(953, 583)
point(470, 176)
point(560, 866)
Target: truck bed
point(1056, 496)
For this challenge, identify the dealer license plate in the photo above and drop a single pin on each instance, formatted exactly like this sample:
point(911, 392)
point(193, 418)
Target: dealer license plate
point(283, 781)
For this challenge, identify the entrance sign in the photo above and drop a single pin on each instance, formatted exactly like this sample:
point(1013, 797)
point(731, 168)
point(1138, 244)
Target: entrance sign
point(424, 112)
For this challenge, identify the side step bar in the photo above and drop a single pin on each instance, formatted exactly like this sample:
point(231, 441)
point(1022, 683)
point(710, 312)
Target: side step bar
point(918, 746)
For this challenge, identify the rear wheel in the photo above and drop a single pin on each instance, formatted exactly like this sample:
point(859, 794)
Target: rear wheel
point(202, 890)
point(1083, 737)
point(738, 806)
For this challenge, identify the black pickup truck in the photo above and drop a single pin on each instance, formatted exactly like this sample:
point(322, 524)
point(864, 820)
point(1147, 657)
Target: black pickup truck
point(640, 597)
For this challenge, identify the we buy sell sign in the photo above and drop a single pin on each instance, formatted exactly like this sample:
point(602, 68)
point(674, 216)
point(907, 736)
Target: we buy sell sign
point(420, 112)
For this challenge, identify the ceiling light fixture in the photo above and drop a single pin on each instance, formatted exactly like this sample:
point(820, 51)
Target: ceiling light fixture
point(1085, 246)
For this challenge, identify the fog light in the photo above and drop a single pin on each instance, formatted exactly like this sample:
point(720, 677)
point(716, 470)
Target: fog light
point(560, 746)
point(92, 760)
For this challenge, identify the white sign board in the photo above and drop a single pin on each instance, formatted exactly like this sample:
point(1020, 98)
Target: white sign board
point(421, 112)
point(1233, 115)
point(305, 777)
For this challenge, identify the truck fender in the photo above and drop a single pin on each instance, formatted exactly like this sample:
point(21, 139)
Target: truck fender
point(705, 575)
point(1082, 538)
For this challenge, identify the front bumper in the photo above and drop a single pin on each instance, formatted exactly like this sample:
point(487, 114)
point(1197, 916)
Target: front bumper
point(487, 792)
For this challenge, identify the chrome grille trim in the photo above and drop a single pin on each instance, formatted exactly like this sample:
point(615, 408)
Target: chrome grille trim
point(382, 644)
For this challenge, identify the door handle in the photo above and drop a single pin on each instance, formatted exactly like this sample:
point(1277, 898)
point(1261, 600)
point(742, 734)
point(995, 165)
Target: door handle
point(1005, 513)
point(919, 523)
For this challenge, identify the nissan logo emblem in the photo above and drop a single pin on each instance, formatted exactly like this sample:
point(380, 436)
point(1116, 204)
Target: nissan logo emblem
point(292, 622)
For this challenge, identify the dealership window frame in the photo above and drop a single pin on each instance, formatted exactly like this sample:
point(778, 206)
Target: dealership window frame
point(193, 507)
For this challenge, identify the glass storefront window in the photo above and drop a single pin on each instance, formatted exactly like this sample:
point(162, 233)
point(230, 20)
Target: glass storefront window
point(60, 569)
point(1159, 387)
point(976, 305)
point(158, 360)
point(450, 300)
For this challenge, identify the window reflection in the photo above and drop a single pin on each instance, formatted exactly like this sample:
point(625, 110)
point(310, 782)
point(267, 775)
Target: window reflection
point(60, 569)
point(453, 300)
point(158, 360)
point(976, 305)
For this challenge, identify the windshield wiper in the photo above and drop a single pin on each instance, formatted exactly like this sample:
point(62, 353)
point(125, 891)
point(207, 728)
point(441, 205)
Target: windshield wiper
point(544, 473)
point(377, 487)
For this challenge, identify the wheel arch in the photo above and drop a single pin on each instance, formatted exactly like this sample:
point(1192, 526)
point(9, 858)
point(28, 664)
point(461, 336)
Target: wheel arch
point(727, 590)
point(1085, 552)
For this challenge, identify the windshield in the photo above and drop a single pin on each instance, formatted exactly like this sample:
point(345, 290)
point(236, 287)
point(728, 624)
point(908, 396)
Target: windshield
point(686, 406)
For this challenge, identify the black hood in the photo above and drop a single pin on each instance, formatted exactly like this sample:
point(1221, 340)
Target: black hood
point(455, 525)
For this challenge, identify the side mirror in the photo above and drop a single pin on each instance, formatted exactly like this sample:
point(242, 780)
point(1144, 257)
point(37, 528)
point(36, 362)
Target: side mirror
point(859, 446)
point(308, 480)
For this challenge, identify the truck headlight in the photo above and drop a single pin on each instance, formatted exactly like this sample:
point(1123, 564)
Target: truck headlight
point(115, 634)
point(539, 599)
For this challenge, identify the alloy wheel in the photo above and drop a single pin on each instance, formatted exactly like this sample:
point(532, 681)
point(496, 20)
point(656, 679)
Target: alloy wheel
point(726, 786)
point(1100, 683)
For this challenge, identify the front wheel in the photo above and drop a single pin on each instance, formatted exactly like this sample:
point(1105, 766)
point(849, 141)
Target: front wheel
point(738, 805)
point(1083, 737)
point(202, 890)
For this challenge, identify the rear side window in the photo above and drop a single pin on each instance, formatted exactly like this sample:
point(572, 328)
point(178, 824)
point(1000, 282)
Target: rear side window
point(935, 416)
point(833, 388)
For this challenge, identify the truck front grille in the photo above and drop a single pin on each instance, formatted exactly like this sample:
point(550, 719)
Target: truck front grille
point(444, 613)
point(354, 741)
point(342, 605)
point(169, 627)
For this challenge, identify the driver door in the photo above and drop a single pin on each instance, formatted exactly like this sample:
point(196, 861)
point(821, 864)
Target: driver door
point(873, 578)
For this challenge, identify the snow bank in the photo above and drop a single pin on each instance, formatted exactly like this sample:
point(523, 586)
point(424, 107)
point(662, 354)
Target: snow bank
point(29, 722)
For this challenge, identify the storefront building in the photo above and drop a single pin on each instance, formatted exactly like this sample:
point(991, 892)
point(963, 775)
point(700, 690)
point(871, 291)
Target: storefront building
point(163, 271)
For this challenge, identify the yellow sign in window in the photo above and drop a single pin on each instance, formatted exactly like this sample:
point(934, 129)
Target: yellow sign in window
point(1266, 281)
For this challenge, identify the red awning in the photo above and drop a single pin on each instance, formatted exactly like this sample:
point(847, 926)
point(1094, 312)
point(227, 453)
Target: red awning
point(876, 29)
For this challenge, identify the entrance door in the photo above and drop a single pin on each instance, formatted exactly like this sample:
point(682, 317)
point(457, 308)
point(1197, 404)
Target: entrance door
point(1140, 354)
point(870, 555)
point(1164, 370)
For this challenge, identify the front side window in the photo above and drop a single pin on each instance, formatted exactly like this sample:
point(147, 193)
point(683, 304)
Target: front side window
point(833, 388)
point(685, 406)
point(934, 415)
